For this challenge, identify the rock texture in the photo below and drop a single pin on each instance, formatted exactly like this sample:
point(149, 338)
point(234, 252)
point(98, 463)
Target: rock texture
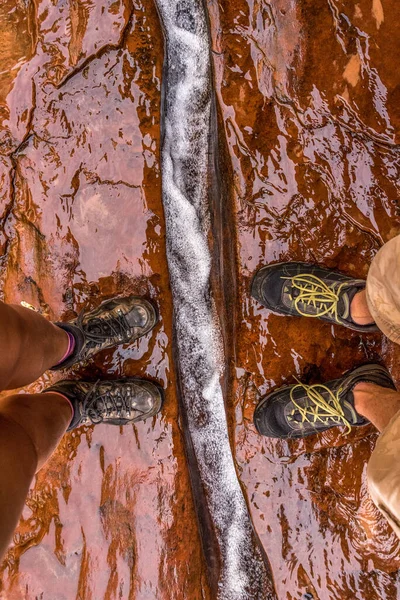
point(308, 134)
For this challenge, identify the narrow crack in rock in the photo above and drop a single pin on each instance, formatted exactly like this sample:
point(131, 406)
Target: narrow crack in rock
point(101, 51)
point(237, 567)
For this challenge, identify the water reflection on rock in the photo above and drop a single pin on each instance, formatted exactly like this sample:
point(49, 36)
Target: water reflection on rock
point(308, 99)
point(306, 93)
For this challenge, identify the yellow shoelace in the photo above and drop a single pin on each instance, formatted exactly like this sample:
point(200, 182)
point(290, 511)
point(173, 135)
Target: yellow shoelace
point(320, 408)
point(316, 292)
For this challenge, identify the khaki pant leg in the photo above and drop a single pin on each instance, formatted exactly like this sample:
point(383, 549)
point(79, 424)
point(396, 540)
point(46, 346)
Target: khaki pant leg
point(383, 297)
point(383, 473)
point(383, 289)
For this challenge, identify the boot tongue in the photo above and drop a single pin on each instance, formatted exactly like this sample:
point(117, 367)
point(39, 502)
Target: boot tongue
point(350, 412)
point(344, 303)
point(343, 306)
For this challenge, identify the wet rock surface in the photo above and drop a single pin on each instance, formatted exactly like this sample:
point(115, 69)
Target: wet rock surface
point(111, 515)
point(305, 96)
point(307, 101)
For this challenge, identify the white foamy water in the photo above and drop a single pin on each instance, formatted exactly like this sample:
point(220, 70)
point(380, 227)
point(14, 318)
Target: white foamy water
point(185, 155)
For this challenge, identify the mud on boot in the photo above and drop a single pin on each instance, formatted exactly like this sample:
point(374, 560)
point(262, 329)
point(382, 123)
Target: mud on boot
point(116, 321)
point(111, 402)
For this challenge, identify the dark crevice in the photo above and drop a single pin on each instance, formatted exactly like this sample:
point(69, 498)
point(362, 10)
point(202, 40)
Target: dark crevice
point(225, 279)
point(94, 178)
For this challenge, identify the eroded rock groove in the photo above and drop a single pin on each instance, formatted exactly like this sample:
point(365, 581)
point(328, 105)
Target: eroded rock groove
point(238, 570)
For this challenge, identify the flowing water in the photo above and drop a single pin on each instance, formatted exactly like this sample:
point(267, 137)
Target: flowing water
point(305, 133)
point(236, 566)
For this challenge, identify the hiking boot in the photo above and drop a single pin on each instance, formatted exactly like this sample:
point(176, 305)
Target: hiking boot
point(296, 411)
point(114, 322)
point(301, 289)
point(112, 402)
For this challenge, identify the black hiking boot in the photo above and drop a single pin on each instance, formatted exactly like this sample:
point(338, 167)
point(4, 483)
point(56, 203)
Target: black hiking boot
point(296, 411)
point(305, 290)
point(112, 402)
point(114, 322)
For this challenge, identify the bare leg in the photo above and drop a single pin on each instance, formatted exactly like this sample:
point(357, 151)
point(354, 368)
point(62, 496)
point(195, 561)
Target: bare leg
point(31, 426)
point(359, 309)
point(375, 403)
point(29, 345)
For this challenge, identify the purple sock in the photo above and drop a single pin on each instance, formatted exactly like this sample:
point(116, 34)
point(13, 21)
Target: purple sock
point(71, 348)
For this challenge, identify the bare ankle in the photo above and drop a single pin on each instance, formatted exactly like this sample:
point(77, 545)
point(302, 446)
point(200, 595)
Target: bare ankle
point(366, 387)
point(362, 395)
point(359, 309)
point(375, 403)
